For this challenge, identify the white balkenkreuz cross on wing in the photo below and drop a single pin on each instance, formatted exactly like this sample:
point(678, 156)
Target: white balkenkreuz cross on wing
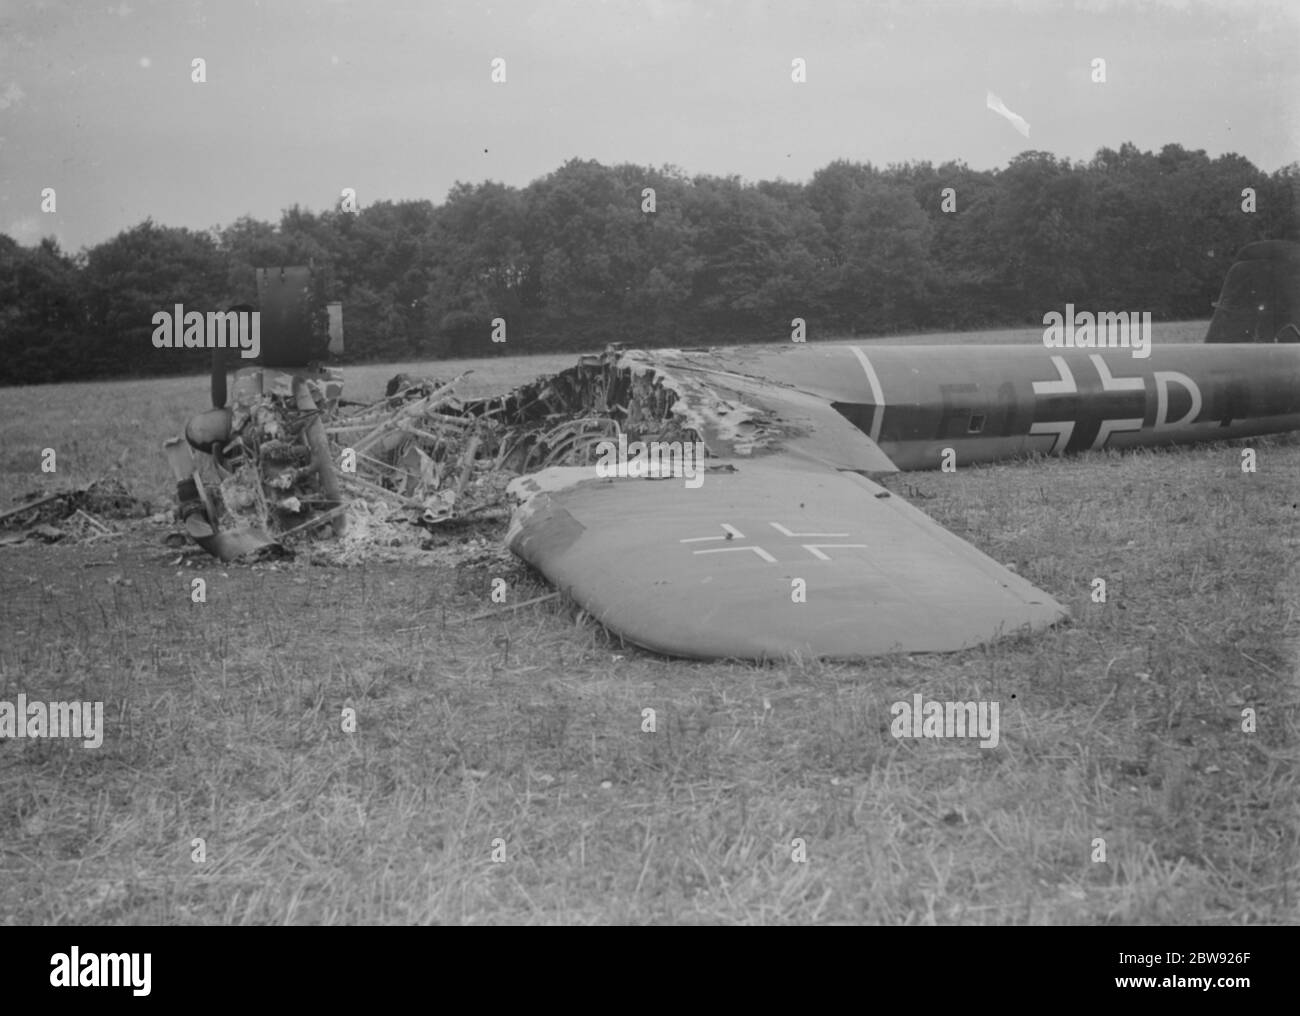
point(731, 534)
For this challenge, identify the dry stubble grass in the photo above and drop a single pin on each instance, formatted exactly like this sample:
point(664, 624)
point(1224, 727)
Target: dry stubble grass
point(224, 723)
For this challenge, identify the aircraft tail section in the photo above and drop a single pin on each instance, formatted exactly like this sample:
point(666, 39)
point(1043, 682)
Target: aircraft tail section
point(1260, 299)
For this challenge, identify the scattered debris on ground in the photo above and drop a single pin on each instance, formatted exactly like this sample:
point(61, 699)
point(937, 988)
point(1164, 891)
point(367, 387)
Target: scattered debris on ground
point(82, 515)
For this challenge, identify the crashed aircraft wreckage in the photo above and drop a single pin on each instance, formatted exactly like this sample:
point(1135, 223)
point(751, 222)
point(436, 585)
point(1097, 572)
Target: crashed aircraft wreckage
point(702, 565)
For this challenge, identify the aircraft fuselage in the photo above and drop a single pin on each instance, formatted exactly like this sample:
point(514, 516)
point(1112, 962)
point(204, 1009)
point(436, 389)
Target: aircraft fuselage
point(995, 402)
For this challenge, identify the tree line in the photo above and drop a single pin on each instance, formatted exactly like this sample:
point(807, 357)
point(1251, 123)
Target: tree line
point(592, 254)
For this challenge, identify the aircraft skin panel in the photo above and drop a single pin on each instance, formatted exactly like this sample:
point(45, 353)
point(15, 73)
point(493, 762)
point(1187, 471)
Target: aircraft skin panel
point(710, 572)
point(994, 402)
point(739, 415)
point(1013, 401)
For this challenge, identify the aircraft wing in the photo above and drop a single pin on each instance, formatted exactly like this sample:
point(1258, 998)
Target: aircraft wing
point(784, 556)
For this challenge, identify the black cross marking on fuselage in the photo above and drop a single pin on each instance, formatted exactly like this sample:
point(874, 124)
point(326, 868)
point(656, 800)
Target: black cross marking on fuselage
point(1086, 419)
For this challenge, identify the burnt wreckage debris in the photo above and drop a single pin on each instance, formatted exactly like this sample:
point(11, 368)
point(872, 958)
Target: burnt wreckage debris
point(558, 420)
point(78, 514)
point(386, 473)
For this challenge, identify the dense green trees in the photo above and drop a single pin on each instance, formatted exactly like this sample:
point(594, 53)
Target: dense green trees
point(592, 254)
point(41, 315)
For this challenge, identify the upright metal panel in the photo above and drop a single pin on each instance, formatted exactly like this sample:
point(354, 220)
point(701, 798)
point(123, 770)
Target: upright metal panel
point(294, 332)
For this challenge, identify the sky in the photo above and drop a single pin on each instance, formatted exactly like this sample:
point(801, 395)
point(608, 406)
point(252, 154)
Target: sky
point(303, 98)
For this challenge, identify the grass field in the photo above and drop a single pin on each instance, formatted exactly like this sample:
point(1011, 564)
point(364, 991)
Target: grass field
point(521, 736)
